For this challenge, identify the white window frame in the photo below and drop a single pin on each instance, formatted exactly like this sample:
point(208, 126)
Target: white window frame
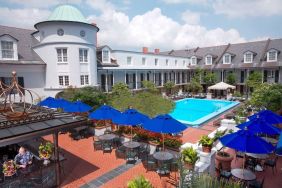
point(84, 80)
point(245, 57)
point(63, 58)
point(268, 55)
point(85, 57)
point(11, 51)
point(193, 58)
point(206, 60)
point(65, 80)
point(105, 58)
point(156, 61)
point(229, 59)
point(127, 62)
point(144, 61)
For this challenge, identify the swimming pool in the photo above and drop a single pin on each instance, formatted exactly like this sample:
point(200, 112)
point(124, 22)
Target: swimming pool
point(195, 112)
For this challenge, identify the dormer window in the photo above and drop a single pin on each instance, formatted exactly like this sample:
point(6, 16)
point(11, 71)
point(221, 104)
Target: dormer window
point(143, 60)
point(227, 59)
point(175, 62)
point(105, 55)
point(272, 55)
point(7, 50)
point(208, 60)
point(248, 57)
point(156, 62)
point(166, 62)
point(129, 60)
point(193, 61)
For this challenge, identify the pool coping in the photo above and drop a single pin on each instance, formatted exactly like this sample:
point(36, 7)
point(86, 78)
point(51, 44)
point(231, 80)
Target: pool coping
point(210, 116)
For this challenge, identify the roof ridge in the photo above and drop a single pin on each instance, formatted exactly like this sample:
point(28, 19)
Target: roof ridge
point(18, 28)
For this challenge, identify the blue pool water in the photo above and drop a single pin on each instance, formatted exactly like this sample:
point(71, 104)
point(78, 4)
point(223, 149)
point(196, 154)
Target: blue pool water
point(195, 112)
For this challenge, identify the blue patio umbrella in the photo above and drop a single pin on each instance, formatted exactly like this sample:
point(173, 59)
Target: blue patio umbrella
point(164, 124)
point(246, 141)
point(104, 112)
point(130, 117)
point(279, 146)
point(49, 102)
point(268, 115)
point(260, 126)
point(78, 107)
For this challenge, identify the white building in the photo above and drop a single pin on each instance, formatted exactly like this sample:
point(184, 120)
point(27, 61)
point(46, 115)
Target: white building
point(63, 52)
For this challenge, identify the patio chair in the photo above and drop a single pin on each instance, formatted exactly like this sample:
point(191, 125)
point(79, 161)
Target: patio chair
point(163, 169)
point(143, 151)
point(131, 156)
point(174, 164)
point(251, 164)
point(107, 147)
point(120, 152)
point(256, 184)
point(117, 141)
point(151, 163)
point(271, 163)
point(97, 144)
point(239, 155)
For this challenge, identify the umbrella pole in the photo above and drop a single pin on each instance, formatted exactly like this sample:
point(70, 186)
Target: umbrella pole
point(163, 141)
point(131, 134)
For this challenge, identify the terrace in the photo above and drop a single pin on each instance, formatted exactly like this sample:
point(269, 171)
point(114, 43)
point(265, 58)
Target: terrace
point(77, 161)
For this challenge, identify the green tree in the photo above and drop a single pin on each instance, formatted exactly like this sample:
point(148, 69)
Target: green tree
point(210, 78)
point(168, 86)
point(149, 86)
point(198, 75)
point(120, 89)
point(194, 86)
point(268, 96)
point(91, 96)
point(254, 80)
point(139, 182)
point(231, 79)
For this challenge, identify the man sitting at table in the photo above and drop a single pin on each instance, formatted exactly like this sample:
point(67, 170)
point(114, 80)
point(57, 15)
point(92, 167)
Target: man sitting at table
point(23, 158)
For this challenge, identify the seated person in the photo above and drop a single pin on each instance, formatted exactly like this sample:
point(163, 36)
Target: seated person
point(23, 158)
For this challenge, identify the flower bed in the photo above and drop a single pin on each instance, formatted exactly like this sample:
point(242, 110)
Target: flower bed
point(9, 168)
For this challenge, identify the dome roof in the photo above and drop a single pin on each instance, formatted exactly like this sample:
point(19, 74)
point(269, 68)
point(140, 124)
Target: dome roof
point(67, 13)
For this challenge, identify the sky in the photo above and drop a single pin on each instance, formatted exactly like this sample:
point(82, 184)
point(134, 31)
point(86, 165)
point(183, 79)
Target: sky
point(163, 24)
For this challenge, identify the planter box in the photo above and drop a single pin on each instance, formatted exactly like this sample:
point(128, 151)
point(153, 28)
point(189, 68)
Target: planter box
point(101, 130)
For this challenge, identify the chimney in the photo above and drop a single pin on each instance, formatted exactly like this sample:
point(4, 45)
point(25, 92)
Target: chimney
point(145, 50)
point(157, 51)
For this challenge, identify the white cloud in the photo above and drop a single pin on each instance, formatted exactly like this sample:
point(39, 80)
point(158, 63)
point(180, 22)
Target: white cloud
point(41, 4)
point(190, 17)
point(24, 18)
point(186, 1)
point(155, 30)
point(244, 8)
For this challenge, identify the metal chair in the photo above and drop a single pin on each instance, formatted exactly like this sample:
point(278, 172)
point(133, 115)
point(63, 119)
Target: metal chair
point(117, 141)
point(271, 163)
point(256, 184)
point(120, 152)
point(151, 163)
point(131, 156)
point(163, 169)
point(107, 147)
point(239, 155)
point(97, 144)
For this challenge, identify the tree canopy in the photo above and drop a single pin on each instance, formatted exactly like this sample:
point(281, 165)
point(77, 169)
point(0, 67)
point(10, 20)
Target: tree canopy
point(268, 96)
point(194, 86)
point(149, 86)
point(168, 86)
point(210, 78)
point(231, 79)
point(254, 79)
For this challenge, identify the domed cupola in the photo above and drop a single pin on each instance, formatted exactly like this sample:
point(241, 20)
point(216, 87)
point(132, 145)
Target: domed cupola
point(67, 13)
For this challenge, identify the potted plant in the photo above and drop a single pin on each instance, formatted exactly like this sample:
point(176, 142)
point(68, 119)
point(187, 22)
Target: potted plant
point(223, 160)
point(45, 152)
point(139, 182)
point(189, 156)
point(9, 168)
point(206, 143)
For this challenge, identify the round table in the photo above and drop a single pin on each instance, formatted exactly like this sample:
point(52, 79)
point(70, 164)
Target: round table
point(131, 144)
point(243, 174)
point(107, 137)
point(163, 156)
point(258, 156)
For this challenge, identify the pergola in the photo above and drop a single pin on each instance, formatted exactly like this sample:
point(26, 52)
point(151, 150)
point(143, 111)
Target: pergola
point(21, 121)
point(221, 86)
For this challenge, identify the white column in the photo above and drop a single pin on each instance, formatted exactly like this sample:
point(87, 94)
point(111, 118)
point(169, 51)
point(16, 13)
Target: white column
point(262, 76)
point(162, 77)
point(174, 77)
point(113, 77)
point(125, 76)
point(136, 77)
point(107, 88)
point(154, 77)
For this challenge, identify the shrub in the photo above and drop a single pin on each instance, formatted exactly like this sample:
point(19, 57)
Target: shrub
point(190, 155)
point(139, 182)
point(206, 141)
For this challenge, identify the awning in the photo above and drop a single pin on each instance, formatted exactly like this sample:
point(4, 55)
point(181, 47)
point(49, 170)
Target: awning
point(221, 86)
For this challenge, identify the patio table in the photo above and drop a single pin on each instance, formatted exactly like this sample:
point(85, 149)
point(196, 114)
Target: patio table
point(107, 137)
point(163, 156)
point(131, 144)
point(243, 174)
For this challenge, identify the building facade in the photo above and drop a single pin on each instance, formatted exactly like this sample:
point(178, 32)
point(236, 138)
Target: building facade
point(63, 52)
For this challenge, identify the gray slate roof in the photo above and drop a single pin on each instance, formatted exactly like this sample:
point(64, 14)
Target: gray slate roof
point(237, 51)
point(25, 43)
